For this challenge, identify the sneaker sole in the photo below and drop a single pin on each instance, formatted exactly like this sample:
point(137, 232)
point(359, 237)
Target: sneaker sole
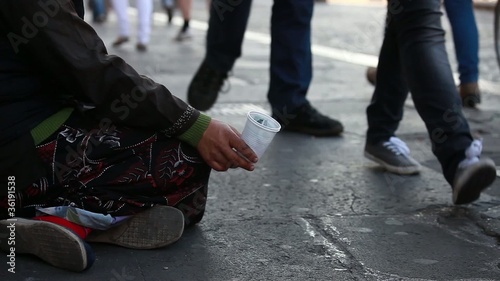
point(394, 169)
point(157, 227)
point(50, 242)
point(468, 187)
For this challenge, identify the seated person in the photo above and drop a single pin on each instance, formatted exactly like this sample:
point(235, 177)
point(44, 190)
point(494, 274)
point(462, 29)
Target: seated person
point(91, 150)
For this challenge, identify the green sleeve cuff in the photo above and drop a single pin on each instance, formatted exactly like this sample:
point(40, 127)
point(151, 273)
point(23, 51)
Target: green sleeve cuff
point(193, 135)
point(50, 125)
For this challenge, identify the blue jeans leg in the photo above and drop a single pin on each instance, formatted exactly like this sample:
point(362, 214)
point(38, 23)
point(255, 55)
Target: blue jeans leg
point(99, 9)
point(466, 38)
point(226, 28)
point(291, 57)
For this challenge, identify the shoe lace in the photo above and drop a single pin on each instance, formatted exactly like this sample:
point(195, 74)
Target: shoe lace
point(397, 146)
point(472, 153)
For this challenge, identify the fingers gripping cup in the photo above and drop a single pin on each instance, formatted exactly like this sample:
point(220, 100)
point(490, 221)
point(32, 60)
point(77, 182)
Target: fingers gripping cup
point(259, 131)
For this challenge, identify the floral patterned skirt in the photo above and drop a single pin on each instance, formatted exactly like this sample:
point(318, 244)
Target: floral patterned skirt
point(117, 172)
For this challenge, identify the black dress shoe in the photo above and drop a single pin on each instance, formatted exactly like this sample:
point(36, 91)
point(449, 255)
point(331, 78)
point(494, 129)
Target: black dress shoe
point(205, 87)
point(307, 120)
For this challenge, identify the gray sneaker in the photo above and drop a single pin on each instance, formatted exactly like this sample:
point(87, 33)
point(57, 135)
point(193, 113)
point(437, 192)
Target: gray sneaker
point(394, 156)
point(157, 227)
point(473, 175)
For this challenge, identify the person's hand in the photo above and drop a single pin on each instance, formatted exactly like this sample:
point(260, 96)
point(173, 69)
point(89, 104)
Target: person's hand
point(222, 148)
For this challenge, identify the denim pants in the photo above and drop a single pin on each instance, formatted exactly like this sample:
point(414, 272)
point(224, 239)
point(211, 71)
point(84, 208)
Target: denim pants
point(291, 57)
point(413, 58)
point(99, 8)
point(466, 38)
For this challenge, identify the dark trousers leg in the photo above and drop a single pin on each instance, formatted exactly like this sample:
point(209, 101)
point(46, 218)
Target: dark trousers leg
point(416, 26)
point(226, 29)
point(386, 108)
point(291, 57)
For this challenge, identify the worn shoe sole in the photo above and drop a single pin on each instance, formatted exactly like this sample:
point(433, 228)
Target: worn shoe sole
point(154, 228)
point(410, 170)
point(469, 185)
point(50, 242)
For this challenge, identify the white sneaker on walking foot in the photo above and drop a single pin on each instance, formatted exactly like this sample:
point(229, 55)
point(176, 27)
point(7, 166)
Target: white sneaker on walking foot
point(473, 175)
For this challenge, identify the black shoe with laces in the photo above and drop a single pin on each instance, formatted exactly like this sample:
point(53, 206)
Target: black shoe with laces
point(307, 120)
point(120, 40)
point(205, 87)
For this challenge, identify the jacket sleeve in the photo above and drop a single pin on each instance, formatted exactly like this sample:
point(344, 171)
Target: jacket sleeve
point(70, 51)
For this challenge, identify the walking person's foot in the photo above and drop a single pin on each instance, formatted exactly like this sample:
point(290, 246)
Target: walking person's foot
point(120, 40)
point(393, 155)
point(470, 94)
point(141, 47)
point(473, 175)
point(205, 87)
point(307, 120)
point(185, 32)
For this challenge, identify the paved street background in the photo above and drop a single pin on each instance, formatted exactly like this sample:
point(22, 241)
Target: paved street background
point(314, 209)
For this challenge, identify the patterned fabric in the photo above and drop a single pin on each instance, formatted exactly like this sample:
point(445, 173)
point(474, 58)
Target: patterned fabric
point(83, 217)
point(117, 172)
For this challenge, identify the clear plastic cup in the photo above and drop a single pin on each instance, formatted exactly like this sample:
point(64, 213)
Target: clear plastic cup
point(259, 131)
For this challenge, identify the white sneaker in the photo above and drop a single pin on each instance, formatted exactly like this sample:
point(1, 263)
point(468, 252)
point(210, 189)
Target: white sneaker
point(473, 175)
